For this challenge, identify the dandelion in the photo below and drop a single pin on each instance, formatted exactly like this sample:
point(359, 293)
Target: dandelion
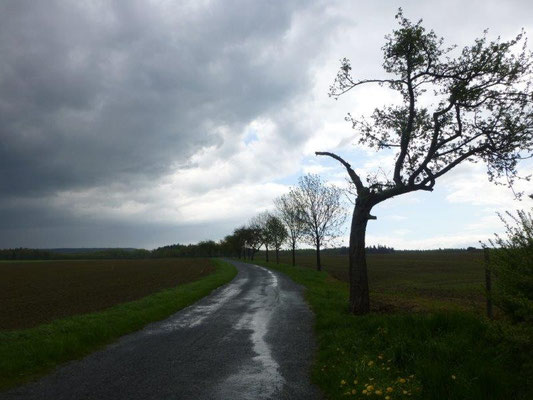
point(389, 389)
point(378, 392)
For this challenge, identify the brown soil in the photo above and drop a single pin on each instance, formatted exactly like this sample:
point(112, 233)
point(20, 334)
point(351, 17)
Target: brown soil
point(32, 293)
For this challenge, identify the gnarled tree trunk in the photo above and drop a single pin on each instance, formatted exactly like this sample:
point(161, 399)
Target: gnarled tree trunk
point(359, 296)
point(318, 263)
point(293, 254)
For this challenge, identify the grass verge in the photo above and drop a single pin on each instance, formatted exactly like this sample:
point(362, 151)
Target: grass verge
point(30, 353)
point(444, 355)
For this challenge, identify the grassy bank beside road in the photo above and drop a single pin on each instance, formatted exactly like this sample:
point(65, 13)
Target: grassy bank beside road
point(29, 353)
point(444, 355)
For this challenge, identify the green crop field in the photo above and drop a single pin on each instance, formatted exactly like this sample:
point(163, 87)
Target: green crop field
point(431, 280)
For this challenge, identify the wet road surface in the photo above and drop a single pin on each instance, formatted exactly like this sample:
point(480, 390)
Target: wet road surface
point(250, 339)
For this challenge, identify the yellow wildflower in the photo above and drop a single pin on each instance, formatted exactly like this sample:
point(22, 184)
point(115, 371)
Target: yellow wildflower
point(380, 357)
point(370, 388)
point(364, 391)
point(389, 389)
point(355, 382)
point(401, 380)
point(343, 382)
point(370, 363)
point(453, 377)
point(387, 397)
point(378, 392)
point(405, 392)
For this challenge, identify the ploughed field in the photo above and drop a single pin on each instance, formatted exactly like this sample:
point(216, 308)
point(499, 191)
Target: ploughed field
point(432, 280)
point(32, 293)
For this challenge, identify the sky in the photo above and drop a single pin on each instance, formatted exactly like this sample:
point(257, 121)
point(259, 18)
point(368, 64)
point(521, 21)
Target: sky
point(146, 123)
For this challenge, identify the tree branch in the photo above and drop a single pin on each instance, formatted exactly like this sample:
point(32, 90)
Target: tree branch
point(354, 84)
point(355, 178)
point(406, 134)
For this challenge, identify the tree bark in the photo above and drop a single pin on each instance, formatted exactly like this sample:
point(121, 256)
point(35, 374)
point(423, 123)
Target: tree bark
point(359, 297)
point(277, 255)
point(293, 254)
point(318, 264)
point(266, 247)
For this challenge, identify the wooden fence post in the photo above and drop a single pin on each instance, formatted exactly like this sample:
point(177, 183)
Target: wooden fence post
point(488, 283)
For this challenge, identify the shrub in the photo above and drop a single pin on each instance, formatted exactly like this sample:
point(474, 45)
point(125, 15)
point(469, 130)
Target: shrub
point(512, 263)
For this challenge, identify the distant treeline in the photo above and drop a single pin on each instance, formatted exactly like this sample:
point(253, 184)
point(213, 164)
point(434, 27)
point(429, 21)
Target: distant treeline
point(75, 254)
point(207, 248)
point(340, 251)
point(203, 249)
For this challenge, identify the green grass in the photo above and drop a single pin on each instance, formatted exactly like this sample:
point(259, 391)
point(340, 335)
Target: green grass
point(30, 353)
point(444, 355)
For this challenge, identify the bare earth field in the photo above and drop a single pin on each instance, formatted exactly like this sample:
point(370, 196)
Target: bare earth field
point(414, 281)
point(32, 293)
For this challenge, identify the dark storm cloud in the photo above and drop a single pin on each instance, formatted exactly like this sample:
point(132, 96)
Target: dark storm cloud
point(99, 92)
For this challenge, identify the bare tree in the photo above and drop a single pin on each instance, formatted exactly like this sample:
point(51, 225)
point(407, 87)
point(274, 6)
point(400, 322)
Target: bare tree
point(260, 223)
point(482, 111)
point(253, 238)
point(290, 214)
point(277, 233)
point(321, 211)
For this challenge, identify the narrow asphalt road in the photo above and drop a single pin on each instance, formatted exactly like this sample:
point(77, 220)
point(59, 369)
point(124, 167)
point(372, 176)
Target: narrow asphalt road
point(250, 339)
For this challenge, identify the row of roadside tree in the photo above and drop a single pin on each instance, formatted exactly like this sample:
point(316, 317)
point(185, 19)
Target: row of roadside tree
point(312, 212)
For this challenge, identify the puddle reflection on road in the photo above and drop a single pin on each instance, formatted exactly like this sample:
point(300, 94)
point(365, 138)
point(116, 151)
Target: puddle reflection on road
point(260, 378)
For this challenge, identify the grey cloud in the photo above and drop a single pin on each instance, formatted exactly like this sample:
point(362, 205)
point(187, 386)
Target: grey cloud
point(91, 94)
point(100, 101)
